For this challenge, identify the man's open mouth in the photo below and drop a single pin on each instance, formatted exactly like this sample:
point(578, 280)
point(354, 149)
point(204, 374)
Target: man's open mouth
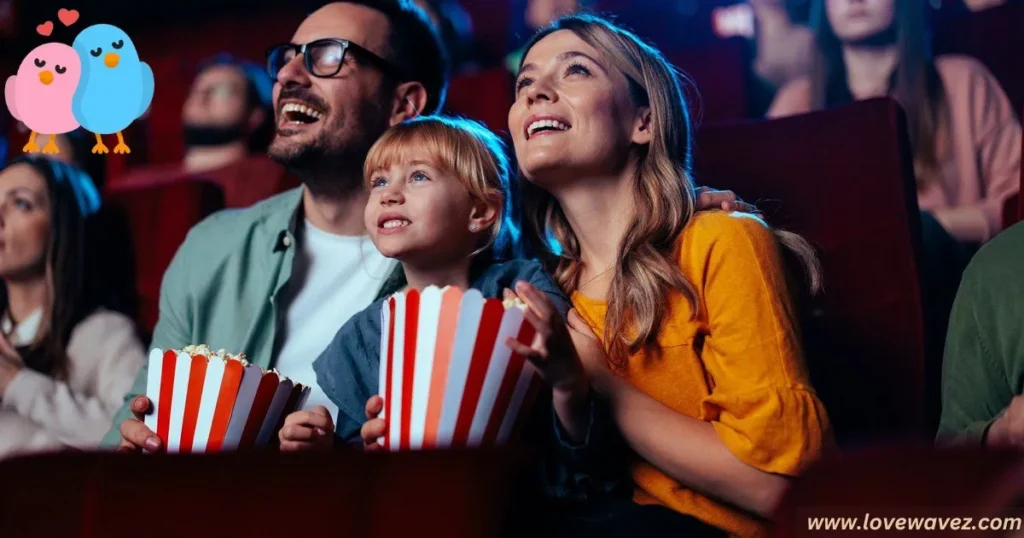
point(300, 114)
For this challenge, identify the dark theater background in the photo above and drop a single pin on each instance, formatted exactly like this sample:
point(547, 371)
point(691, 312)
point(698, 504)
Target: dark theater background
point(842, 178)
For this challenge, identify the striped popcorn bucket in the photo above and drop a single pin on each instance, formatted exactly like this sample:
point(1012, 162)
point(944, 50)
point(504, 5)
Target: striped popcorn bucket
point(206, 403)
point(447, 377)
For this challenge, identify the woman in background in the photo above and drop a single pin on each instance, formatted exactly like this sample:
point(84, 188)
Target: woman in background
point(963, 130)
point(65, 363)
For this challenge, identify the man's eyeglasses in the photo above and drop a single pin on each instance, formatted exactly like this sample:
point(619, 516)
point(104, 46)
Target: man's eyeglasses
point(324, 57)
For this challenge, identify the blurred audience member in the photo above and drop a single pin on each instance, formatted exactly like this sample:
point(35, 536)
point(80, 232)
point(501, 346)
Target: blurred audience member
point(965, 135)
point(76, 149)
point(981, 5)
point(65, 363)
point(228, 123)
point(455, 27)
point(540, 13)
point(783, 46)
point(983, 372)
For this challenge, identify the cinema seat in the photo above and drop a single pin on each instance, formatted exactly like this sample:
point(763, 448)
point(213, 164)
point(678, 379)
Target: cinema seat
point(842, 178)
point(160, 217)
point(905, 481)
point(484, 96)
point(451, 494)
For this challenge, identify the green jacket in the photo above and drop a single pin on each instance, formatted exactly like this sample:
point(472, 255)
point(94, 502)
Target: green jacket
point(983, 367)
point(222, 287)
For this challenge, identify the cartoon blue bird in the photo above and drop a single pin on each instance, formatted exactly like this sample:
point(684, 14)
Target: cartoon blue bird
point(115, 88)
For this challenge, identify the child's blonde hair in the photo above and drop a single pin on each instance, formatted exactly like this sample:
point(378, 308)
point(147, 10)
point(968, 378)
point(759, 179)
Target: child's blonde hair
point(461, 147)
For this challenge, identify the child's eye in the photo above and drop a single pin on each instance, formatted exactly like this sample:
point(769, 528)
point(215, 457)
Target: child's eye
point(577, 69)
point(379, 182)
point(523, 82)
point(22, 205)
point(419, 176)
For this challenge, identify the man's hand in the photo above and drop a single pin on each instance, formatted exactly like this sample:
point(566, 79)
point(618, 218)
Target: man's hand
point(134, 434)
point(1008, 429)
point(305, 431)
point(374, 428)
point(709, 199)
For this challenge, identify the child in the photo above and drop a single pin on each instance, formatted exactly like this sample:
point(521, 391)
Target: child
point(439, 203)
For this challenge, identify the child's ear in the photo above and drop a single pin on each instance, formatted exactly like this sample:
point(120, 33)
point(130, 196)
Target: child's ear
point(643, 128)
point(484, 214)
point(410, 102)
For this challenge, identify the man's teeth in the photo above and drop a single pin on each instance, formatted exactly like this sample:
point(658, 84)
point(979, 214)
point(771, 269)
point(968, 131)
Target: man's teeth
point(301, 109)
point(550, 124)
point(398, 223)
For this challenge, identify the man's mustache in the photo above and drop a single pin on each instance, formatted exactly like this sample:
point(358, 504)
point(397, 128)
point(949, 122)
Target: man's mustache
point(304, 96)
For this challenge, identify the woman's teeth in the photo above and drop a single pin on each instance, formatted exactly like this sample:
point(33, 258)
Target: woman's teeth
point(547, 125)
point(390, 224)
point(297, 113)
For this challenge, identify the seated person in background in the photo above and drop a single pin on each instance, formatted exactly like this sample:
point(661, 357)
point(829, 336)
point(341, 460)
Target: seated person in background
point(983, 369)
point(783, 46)
point(455, 28)
point(228, 122)
point(540, 13)
point(963, 130)
point(65, 363)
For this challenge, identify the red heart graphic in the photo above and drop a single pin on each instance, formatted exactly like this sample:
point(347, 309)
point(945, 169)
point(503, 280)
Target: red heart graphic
point(67, 16)
point(45, 29)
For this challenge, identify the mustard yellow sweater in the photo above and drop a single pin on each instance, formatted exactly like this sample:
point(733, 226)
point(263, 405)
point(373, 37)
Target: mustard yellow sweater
point(737, 363)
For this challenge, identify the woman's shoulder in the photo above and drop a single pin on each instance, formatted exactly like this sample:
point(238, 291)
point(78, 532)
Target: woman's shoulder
point(103, 321)
point(713, 232)
point(963, 75)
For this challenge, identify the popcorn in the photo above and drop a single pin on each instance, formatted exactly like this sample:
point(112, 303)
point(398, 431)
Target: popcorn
point(446, 375)
point(207, 401)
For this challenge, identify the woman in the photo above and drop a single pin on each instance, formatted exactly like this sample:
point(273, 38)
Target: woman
point(65, 364)
point(699, 353)
point(963, 130)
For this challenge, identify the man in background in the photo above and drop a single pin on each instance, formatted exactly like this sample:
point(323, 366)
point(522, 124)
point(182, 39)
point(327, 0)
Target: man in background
point(227, 123)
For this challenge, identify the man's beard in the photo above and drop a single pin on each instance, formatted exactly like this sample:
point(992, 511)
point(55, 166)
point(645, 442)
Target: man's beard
point(332, 162)
point(212, 135)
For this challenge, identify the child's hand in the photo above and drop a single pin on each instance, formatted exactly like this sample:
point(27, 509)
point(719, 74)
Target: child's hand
point(305, 431)
point(374, 428)
point(552, 351)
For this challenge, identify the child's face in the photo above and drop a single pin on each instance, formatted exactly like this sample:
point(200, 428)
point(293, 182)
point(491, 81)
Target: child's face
point(421, 215)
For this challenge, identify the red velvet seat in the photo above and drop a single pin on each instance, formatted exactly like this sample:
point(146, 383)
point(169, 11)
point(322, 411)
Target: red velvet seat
point(451, 494)
point(484, 96)
point(160, 217)
point(718, 71)
point(905, 482)
point(842, 178)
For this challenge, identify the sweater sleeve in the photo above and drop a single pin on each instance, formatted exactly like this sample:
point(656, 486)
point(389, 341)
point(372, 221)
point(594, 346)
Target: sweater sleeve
point(761, 402)
point(996, 136)
point(104, 348)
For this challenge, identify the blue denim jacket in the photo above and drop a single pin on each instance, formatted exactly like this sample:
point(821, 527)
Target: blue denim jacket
point(347, 371)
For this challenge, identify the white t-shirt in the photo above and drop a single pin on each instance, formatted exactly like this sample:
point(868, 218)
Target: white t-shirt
point(334, 277)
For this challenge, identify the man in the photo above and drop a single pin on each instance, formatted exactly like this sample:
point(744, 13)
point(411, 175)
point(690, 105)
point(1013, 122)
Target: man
point(279, 279)
point(227, 123)
point(983, 369)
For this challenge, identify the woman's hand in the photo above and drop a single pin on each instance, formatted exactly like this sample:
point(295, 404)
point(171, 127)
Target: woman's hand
point(552, 351)
point(10, 364)
point(591, 352)
point(374, 428)
point(307, 431)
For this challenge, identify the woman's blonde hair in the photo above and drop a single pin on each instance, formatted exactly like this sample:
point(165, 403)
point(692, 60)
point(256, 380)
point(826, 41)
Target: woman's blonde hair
point(646, 271)
point(461, 147)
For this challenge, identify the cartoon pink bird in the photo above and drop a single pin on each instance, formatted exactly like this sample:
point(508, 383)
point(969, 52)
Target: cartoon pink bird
point(40, 94)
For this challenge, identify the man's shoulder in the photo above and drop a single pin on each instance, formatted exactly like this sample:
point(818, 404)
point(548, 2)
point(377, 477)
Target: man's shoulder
point(1000, 261)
